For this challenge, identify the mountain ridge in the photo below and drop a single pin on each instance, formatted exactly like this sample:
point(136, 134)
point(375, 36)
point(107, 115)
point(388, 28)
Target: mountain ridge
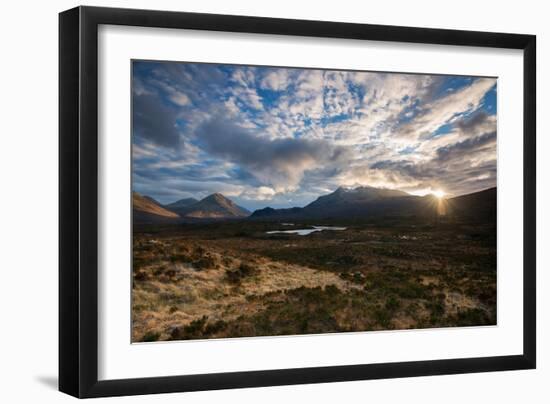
point(371, 201)
point(215, 206)
point(147, 210)
point(360, 202)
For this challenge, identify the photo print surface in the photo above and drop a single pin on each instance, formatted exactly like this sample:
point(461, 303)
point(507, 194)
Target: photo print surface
point(284, 201)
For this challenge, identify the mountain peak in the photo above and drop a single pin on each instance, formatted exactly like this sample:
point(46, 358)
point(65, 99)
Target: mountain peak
point(342, 189)
point(353, 197)
point(216, 196)
point(217, 206)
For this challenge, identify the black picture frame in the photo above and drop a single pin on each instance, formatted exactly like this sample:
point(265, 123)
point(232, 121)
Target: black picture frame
point(78, 201)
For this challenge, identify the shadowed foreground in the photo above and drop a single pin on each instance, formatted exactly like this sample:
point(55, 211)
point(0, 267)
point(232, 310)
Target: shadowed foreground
point(231, 279)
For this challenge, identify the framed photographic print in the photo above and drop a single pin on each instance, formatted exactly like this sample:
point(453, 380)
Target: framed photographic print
point(251, 201)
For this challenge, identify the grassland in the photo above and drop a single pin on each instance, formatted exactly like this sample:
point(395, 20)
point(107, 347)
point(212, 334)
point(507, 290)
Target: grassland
point(231, 279)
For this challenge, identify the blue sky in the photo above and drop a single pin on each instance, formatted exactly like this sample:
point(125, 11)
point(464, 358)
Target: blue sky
point(280, 137)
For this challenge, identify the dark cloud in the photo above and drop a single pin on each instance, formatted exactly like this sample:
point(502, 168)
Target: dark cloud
point(408, 169)
point(159, 89)
point(466, 147)
point(155, 121)
point(200, 82)
point(467, 125)
point(455, 167)
point(278, 162)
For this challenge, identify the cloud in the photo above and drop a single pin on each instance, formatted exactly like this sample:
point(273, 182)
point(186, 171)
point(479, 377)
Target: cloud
point(466, 147)
point(243, 76)
point(174, 187)
point(338, 99)
point(262, 193)
point(180, 99)
point(249, 97)
point(477, 123)
point(279, 163)
point(446, 109)
point(155, 121)
point(276, 80)
point(283, 136)
point(468, 124)
point(464, 160)
point(461, 167)
point(467, 127)
point(231, 106)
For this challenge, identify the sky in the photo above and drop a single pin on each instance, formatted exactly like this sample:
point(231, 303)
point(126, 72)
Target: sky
point(281, 137)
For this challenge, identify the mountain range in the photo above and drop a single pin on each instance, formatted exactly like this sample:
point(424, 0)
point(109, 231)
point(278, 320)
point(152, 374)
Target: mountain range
point(215, 206)
point(360, 202)
point(365, 202)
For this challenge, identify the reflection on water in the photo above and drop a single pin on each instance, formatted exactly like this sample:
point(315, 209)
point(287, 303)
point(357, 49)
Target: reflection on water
point(305, 232)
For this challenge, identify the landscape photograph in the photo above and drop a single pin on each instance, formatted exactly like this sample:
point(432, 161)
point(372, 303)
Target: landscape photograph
point(271, 201)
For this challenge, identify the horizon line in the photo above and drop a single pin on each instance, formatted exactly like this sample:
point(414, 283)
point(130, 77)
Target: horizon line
point(320, 195)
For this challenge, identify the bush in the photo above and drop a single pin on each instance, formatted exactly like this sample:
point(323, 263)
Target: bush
point(212, 328)
point(392, 304)
point(141, 275)
point(151, 336)
point(382, 317)
point(237, 275)
point(198, 328)
point(193, 329)
point(179, 257)
point(412, 290)
point(471, 317)
point(437, 311)
point(332, 290)
point(205, 262)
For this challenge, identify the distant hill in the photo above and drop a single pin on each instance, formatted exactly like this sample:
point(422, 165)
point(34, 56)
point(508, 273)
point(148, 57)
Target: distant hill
point(364, 202)
point(480, 205)
point(359, 195)
point(180, 206)
point(215, 206)
point(361, 202)
point(151, 199)
point(355, 202)
point(276, 213)
point(147, 210)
